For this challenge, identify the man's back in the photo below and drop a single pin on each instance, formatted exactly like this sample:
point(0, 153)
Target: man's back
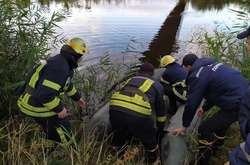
point(174, 73)
point(222, 85)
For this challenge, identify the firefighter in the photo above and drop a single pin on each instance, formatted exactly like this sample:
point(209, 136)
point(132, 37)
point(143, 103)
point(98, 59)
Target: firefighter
point(41, 98)
point(173, 80)
point(220, 85)
point(132, 109)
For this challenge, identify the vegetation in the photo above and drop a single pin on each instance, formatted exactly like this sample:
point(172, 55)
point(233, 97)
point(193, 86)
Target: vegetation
point(25, 36)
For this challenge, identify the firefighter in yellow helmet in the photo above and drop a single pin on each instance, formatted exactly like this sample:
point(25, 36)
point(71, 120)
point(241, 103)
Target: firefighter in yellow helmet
point(40, 98)
point(173, 80)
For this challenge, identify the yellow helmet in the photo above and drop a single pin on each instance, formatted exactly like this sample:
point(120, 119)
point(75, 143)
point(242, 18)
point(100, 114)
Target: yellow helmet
point(77, 44)
point(166, 60)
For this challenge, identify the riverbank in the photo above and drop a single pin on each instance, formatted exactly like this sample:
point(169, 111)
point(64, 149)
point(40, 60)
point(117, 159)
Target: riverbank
point(22, 141)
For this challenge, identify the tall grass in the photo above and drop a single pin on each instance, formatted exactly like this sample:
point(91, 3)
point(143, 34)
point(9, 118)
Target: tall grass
point(25, 36)
point(225, 47)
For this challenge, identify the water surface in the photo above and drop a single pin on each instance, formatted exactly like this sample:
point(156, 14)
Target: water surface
point(136, 25)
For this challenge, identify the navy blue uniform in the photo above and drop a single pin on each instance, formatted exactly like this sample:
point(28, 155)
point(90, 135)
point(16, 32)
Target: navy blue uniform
point(244, 115)
point(41, 98)
point(173, 80)
point(131, 112)
point(241, 154)
point(221, 86)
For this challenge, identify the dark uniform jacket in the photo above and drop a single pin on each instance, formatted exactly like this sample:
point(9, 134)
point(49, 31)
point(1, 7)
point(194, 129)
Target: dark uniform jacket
point(47, 82)
point(174, 73)
point(173, 80)
point(241, 154)
point(219, 84)
point(244, 114)
point(141, 95)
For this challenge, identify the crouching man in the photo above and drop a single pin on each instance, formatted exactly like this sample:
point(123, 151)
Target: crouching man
point(132, 109)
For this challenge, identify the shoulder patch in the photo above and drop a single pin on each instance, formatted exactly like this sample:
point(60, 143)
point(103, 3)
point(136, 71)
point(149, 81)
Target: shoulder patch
point(199, 72)
point(216, 67)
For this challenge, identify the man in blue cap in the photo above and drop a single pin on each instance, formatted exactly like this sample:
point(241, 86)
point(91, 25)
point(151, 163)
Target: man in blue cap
point(221, 86)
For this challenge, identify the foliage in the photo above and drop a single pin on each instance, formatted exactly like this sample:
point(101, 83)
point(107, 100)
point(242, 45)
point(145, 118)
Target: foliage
point(224, 47)
point(25, 37)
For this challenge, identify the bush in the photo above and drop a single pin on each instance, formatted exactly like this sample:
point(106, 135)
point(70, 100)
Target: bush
point(25, 37)
point(224, 47)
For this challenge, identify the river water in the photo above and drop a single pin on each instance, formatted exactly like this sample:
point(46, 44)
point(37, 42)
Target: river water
point(152, 27)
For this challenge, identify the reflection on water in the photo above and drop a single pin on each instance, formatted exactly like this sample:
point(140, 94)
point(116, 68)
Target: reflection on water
point(197, 4)
point(209, 4)
point(218, 4)
point(87, 4)
point(164, 41)
point(110, 25)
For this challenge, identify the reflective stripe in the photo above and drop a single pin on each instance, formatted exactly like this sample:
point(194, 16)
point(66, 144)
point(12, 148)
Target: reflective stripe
point(219, 137)
point(135, 103)
point(35, 76)
point(52, 104)
point(182, 96)
point(161, 118)
point(72, 92)
point(131, 106)
point(31, 110)
point(242, 147)
point(136, 99)
point(216, 67)
point(182, 83)
point(146, 85)
point(61, 94)
point(51, 84)
point(205, 142)
point(153, 150)
point(34, 114)
point(199, 71)
point(164, 81)
point(62, 136)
